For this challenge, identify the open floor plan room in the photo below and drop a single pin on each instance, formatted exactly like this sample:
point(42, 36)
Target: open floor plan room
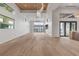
point(39, 29)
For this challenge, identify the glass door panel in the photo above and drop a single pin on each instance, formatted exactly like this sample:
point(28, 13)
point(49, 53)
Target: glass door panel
point(67, 29)
point(62, 29)
point(73, 27)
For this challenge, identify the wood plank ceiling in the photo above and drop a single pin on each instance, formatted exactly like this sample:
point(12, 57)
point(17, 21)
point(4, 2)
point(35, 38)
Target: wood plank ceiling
point(31, 6)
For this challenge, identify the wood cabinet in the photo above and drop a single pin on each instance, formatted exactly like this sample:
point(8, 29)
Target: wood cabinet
point(74, 36)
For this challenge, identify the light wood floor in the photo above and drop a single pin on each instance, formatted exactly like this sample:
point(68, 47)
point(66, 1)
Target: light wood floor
point(39, 45)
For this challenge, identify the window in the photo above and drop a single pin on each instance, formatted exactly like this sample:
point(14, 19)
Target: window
point(6, 22)
point(6, 7)
point(39, 27)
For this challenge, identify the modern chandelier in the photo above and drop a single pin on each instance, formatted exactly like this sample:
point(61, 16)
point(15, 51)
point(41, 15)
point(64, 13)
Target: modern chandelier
point(39, 12)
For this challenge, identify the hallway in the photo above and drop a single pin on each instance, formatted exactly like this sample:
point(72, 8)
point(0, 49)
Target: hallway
point(39, 44)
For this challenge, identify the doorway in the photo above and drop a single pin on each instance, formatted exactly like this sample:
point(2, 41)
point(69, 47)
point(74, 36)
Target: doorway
point(65, 27)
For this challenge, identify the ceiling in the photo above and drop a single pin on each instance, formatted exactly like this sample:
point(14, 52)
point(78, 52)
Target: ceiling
point(31, 6)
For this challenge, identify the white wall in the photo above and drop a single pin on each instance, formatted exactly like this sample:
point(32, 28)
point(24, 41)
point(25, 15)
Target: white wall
point(32, 16)
point(45, 16)
point(21, 27)
point(51, 8)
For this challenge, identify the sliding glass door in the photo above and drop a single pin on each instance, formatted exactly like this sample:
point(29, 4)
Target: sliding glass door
point(66, 27)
